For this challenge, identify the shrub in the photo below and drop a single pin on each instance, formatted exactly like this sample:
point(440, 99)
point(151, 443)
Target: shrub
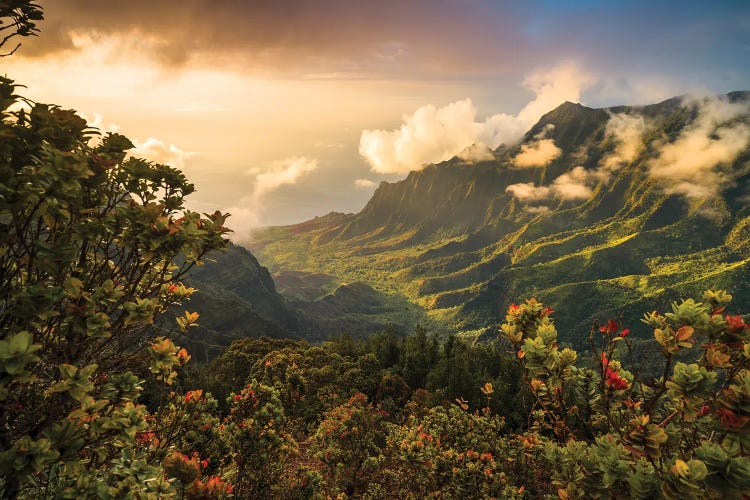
point(88, 238)
point(349, 443)
point(685, 435)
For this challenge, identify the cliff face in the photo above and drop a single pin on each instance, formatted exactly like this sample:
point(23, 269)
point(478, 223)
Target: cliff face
point(454, 240)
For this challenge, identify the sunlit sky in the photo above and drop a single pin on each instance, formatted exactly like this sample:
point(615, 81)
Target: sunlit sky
point(273, 108)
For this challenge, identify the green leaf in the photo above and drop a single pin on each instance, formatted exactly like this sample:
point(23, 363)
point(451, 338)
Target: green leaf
point(73, 287)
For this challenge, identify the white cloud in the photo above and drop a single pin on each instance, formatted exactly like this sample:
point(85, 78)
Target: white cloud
point(573, 185)
point(528, 191)
point(364, 184)
point(282, 172)
point(538, 210)
point(476, 153)
point(247, 214)
point(539, 152)
point(157, 151)
point(98, 123)
point(627, 133)
point(694, 164)
point(432, 134)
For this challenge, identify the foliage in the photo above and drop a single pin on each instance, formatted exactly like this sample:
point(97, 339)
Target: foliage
point(684, 435)
point(451, 453)
point(18, 16)
point(94, 246)
point(87, 240)
point(260, 447)
point(349, 442)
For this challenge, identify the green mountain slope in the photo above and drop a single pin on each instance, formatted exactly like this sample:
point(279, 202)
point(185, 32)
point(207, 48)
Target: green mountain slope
point(237, 298)
point(450, 239)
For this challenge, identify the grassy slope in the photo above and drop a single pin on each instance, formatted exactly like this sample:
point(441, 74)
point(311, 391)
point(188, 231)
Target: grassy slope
point(450, 240)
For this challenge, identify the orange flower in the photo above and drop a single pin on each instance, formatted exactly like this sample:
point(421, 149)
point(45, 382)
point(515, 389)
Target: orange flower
point(193, 396)
point(183, 356)
point(614, 380)
point(730, 420)
point(736, 323)
point(146, 437)
point(610, 328)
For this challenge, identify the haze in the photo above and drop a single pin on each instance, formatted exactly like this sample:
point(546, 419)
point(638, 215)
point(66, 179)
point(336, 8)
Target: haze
point(281, 111)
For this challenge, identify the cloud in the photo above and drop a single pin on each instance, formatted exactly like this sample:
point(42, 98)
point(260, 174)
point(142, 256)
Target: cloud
point(528, 191)
point(328, 37)
point(696, 163)
point(432, 134)
point(540, 152)
point(157, 151)
point(538, 210)
point(573, 185)
point(98, 123)
point(476, 153)
point(247, 214)
point(282, 172)
point(364, 184)
point(626, 131)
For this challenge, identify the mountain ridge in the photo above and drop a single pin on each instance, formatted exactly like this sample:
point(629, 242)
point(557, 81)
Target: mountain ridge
point(453, 240)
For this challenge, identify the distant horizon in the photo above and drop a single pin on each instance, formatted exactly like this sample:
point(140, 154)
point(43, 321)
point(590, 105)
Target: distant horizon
point(285, 112)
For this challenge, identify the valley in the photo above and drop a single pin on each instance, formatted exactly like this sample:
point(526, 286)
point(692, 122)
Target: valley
point(457, 243)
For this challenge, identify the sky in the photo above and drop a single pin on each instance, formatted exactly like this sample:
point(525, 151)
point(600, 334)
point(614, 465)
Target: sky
point(281, 111)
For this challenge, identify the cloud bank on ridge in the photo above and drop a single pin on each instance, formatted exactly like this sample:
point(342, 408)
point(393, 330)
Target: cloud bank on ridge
point(432, 134)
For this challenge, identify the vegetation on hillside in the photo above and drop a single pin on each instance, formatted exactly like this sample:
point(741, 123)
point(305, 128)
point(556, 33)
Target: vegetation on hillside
point(88, 241)
point(97, 400)
point(454, 241)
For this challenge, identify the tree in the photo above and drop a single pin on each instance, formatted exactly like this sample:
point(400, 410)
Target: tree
point(17, 18)
point(602, 432)
point(88, 237)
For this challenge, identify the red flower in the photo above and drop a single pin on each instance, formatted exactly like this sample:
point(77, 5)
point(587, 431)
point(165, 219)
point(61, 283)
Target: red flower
point(736, 323)
point(730, 420)
point(183, 356)
point(145, 437)
point(193, 396)
point(614, 380)
point(172, 288)
point(237, 397)
point(610, 328)
point(625, 332)
point(547, 311)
